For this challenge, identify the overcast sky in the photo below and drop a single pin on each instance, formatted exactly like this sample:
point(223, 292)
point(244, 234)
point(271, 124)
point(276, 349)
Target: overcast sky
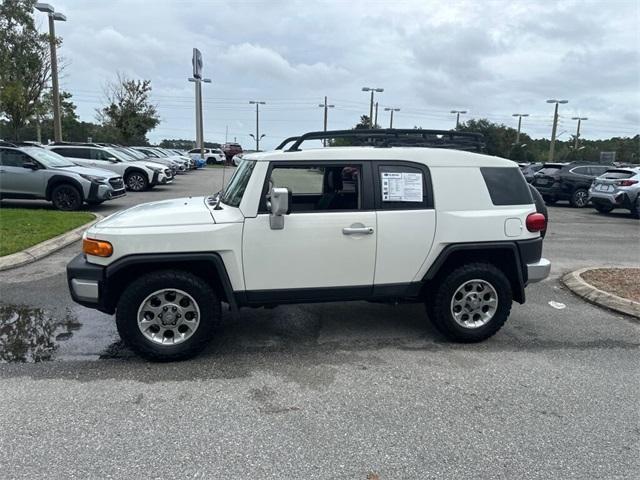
point(490, 58)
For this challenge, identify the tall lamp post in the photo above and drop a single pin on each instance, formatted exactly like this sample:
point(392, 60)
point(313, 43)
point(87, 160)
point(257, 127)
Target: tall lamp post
point(372, 90)
point(555, 126)
point(198, 80)
point(53, 17)
point(458, 113)
point(580, 120)
point(390, 109)
point(519, 115)
point(257, 136)
point(326, 107)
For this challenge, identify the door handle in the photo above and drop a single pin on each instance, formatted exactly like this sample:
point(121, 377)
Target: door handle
point(357, 230)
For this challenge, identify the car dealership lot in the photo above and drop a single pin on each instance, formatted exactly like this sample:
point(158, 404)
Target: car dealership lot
point(333, 390)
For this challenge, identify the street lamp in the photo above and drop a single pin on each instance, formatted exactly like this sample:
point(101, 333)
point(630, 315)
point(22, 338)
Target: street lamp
point(458, 112)
point(54, 16)
point(579, 119)
point(555, 126)
point(519, 115)
point(199, 123)
point(372, 90)
point(390, 109)
point(326, 110)
point(257, 136)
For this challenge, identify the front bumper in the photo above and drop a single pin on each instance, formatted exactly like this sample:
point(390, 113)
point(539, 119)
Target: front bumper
point(86, 283)
point(539, 270)
point(101, 192)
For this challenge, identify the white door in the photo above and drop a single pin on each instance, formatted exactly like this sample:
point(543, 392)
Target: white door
point(328, 239)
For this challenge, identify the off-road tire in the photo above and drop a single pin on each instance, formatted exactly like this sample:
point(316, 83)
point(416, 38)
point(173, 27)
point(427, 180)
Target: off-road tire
point(66, 197)
point(136, 181)
point(439, 304)
point(603, 208)
point(135, 294)
point(579, 198)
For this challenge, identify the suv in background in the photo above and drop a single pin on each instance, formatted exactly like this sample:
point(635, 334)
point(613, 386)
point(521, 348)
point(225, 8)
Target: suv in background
point(138, 175)
point(617, 188)
point(529, 170)
point(212, 156)
point(321, 225)
point(567, 181)
point(230, 149)
point(36, 173)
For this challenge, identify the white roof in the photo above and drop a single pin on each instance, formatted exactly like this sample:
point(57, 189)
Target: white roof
point(435, 157)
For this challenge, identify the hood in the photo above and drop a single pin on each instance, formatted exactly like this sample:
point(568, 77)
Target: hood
point(170, 213)
point(151, 164)
point(95, 172)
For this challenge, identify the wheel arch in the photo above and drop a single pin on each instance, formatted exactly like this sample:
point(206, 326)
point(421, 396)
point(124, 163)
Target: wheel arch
point(56, 180)
point(504, 255)
point(208, 266)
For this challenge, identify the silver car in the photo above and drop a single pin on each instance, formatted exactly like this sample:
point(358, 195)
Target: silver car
point(36, 173)
point(617, 188)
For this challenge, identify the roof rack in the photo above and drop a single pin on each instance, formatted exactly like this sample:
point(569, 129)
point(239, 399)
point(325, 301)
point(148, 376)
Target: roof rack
point(393, 137)
point(7, 144)
point(78, 144)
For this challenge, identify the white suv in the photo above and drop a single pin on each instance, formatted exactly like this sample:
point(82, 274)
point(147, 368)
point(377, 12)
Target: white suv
point(330, 224)
point(138, 175)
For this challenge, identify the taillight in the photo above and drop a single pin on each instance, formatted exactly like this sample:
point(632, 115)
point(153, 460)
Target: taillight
point(626, 183)
point(99, 248)
point(536, 222)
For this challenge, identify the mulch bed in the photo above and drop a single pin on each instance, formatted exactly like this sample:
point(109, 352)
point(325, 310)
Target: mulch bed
point(623, 282)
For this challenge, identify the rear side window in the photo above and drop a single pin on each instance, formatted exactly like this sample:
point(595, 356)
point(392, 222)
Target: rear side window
point(73, 152)
point(618, 174)
point(506, 186)
point(13, 158)
point(551, 171)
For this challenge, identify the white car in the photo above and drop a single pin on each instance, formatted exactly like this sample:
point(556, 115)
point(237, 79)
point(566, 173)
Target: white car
point(138, 175)
point(320, 225)
point(212, 156)
point(236, 159)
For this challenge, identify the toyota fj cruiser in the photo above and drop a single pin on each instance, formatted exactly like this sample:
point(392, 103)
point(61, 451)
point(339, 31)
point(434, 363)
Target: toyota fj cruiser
point(388, 222)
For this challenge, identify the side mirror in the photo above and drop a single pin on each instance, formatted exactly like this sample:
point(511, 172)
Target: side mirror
point(278, 205)
point(30, 165)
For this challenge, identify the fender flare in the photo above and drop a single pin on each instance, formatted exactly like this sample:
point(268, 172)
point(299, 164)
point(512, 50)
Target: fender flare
point(56, 180)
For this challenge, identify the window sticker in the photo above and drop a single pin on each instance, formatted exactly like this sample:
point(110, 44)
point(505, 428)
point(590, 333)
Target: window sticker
point(401, 187)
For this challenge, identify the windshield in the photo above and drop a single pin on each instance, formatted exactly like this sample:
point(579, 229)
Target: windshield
point(48, 158)
point(232, 195)
point(131, 153)
point(119, 155)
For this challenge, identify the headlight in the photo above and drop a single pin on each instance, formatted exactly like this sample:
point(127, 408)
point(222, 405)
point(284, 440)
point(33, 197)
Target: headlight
point(155, 169)
point(93, 178)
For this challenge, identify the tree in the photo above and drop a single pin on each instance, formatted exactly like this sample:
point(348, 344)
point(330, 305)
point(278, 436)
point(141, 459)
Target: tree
point(129, 113)
point(25, 63)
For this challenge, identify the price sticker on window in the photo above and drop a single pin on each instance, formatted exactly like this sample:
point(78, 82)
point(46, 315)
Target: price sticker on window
point(401, 187)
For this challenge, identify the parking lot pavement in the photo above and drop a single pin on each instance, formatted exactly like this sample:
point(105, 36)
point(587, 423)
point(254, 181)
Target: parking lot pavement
point(335, 390)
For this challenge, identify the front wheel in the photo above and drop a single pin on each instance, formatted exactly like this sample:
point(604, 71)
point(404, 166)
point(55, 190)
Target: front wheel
point(471, 303)
point(579, 198)
point(66, 197)
point(167, 315)
point(136, 181)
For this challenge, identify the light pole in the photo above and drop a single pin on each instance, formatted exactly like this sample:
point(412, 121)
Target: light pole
point(390, 109)
point(257, 137)
point(53, 16)
point(199, 125)
point(326, 111)
point(555, 126)
point(519, 115)
point(372, 90)
point(580, 119)
point(458, 112)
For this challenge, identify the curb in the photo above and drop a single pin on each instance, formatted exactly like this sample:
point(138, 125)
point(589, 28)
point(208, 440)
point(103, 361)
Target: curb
point(574, 282)
point(42, 249)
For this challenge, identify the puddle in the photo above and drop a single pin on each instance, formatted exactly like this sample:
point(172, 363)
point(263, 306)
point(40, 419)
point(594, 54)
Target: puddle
point(31, 335)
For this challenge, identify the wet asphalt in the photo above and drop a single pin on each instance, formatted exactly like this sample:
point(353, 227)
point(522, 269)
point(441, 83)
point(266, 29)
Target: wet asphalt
point(330, 390)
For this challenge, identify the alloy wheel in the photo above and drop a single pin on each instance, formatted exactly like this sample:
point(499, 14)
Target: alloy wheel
point(474, 303)
point(168, 317)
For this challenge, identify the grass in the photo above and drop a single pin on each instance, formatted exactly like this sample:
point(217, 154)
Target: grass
point(23, 228)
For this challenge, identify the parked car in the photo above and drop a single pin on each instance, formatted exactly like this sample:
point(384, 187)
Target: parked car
point(230, 149)
point(36, 173)
point(320, 225)
point(175, 165)
point(529, 170)
point(181, 164)
point(567, 181)
point(237, 159)
point(212, 156)
point(617, 188)
point(138, 175)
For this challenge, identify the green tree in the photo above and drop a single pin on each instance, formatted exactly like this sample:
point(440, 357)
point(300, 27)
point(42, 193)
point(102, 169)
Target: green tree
point(24, 63)
point(129, 114)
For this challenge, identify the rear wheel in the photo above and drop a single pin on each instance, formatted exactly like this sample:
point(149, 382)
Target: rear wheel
point(167, 315)
point(579, 198)
point(471, 303)
point(603, 208)
point(66, 197)
point(136, 181)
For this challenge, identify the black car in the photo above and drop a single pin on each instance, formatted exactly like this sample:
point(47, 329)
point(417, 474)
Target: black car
point(567, 181)
point(529, 170)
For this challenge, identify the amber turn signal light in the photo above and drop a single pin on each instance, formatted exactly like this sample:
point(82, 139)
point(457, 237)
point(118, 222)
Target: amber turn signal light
point(99, 248)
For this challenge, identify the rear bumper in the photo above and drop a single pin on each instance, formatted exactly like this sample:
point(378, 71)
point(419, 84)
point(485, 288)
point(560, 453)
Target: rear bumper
point(539, 270)
point(614, 199)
